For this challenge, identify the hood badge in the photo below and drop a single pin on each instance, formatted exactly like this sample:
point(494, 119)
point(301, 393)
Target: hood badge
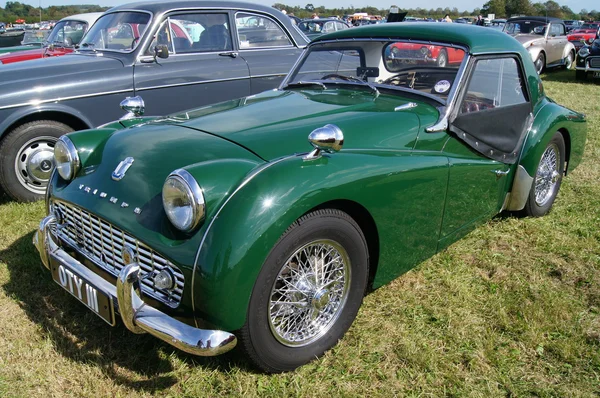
point(122, 168)
point(112, 199)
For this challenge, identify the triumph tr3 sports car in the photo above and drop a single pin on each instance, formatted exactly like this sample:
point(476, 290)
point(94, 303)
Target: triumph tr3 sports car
point(262, 221)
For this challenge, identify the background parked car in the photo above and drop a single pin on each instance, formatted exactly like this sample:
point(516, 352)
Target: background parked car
point(62, 40)
point(544, 38)
point(204, 56)
point(316, 27)
point(33, 39)
point(588, 60)
point(583, 34)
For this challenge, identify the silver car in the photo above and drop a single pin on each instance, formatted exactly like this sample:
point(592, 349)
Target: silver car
point(545, 39)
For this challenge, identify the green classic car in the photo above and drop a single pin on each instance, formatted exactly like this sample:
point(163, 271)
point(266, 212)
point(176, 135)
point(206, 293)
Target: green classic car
point(263, 221)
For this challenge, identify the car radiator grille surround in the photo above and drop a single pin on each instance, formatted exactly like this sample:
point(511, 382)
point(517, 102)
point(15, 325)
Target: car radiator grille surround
point(103, 244)
point(595, 62)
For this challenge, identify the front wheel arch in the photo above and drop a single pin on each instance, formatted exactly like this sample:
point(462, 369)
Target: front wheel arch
point(68, 119)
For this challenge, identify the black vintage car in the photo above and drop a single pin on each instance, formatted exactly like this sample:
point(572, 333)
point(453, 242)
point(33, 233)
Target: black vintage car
point(588, 60)
point(176, 55)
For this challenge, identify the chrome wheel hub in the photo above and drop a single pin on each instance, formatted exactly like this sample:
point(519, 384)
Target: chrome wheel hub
point(547, 175)
point(309, 293)
point(35, 162)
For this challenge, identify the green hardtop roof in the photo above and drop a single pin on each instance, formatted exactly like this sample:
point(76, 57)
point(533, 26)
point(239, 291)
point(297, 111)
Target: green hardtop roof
point(478, 39)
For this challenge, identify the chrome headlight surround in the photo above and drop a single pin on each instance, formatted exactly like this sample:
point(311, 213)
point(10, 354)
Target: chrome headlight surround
point(66, 158)
point(584, 52)
point(183, 200)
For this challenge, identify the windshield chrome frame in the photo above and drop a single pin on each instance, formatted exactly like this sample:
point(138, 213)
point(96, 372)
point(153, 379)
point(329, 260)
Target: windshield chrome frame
point(447, 105)
point(150, 24)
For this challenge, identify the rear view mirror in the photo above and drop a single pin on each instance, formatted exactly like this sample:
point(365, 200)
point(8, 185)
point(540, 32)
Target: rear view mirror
point(161, 51)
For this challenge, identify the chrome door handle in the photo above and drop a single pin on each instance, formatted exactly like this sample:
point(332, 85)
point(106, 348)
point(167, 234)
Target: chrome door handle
point(231, 54)
point(500, 173)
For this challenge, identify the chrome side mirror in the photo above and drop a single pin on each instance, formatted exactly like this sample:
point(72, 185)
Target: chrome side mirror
point(134, 106)
point(328, 138)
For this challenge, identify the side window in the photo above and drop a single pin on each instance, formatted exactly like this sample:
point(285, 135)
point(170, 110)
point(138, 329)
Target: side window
point(340, 26)
point(195, 33)
point(257, 31)
point(329, 27)
point(495, 83)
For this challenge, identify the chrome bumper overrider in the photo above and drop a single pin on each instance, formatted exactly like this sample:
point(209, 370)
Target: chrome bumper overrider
point(137, 316)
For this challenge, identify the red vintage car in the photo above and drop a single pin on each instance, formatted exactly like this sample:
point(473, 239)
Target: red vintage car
point(582, 34)
point(65, 35)
point(427, 54)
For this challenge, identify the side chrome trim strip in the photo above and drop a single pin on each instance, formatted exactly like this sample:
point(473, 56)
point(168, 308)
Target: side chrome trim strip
point(59, 99)
point(209, 81)
point(253, 174)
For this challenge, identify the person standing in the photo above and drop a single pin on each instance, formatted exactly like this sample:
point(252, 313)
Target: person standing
point(447, 18)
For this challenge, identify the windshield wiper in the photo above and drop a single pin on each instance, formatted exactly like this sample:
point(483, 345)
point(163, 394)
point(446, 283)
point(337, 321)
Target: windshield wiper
point(301, 83)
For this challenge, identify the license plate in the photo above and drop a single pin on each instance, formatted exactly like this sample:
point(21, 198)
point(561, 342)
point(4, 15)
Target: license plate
point(597, 74)
point(95, 299)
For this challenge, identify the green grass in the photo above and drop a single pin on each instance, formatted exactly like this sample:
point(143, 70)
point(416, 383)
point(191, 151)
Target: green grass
point(513, 309)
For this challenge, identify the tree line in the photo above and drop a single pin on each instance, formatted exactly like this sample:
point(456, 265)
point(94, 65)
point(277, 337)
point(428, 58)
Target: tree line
point(15, 10)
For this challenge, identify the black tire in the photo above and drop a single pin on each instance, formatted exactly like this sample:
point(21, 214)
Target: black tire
point(547, 180)
point(581, 75)
point(260, 337)
point(540, 63)
point(442, 59)
point(20, 150)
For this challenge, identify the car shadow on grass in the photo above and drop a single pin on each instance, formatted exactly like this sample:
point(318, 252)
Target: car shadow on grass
point(140, 362)
point(566, 76)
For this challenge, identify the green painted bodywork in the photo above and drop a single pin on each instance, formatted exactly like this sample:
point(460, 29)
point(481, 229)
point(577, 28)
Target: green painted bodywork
point(421, 190)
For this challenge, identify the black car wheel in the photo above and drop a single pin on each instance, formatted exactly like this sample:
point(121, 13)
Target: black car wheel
point(27, 159)
point(547, 179)
point(540, 63)
point(308, 292)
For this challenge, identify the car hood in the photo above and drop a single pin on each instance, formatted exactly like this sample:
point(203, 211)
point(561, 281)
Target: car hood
point(52, 78)
point(527, 40)
point(277, 123)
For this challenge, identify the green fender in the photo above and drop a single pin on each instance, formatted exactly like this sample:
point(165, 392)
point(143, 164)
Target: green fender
point(403, 194)
point(549, 119)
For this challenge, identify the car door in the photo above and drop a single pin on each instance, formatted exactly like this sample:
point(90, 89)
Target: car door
point(554, 47)
point(202, 66)
point(487, 131)
point(267, 48)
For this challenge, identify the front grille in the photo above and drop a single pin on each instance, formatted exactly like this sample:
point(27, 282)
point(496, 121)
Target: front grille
point(595, 62)
point(103, 244)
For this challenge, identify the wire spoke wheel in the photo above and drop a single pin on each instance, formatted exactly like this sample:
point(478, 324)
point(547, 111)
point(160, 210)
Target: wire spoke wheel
point(547, 175)
point(309, 293)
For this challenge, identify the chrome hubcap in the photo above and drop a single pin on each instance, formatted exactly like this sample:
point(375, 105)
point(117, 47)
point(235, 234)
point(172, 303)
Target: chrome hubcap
point(35, 162)
point(547, 175)
point(309, 293)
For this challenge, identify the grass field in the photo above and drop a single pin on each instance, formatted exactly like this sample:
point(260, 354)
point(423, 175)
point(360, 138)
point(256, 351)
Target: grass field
point(513, 309)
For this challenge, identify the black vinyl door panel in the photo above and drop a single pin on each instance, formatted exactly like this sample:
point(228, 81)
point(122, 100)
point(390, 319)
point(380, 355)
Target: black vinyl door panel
point(496, 133)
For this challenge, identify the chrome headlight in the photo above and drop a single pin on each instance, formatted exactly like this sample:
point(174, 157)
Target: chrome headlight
point(66, 159)
point(183, 200)
point(584, 52)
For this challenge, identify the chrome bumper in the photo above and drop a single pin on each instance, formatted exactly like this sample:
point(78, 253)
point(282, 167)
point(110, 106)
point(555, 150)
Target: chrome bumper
point(137, 316)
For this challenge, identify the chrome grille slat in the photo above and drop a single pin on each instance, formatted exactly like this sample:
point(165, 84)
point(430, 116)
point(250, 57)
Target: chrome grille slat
point(103, 243)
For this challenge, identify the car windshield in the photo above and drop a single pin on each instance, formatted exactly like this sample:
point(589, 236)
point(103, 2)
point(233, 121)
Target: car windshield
point(117, 31)
point(525, 27)
point(375, 65)
point(589, 26)
point(67, 33)
point(35, 36)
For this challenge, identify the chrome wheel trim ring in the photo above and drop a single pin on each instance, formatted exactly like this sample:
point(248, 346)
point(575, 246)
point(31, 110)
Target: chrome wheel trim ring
point(34, 163)
point(309, 293)
point(444, 62)
point(569, 61)
point(539, 64)
point(547, 175)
